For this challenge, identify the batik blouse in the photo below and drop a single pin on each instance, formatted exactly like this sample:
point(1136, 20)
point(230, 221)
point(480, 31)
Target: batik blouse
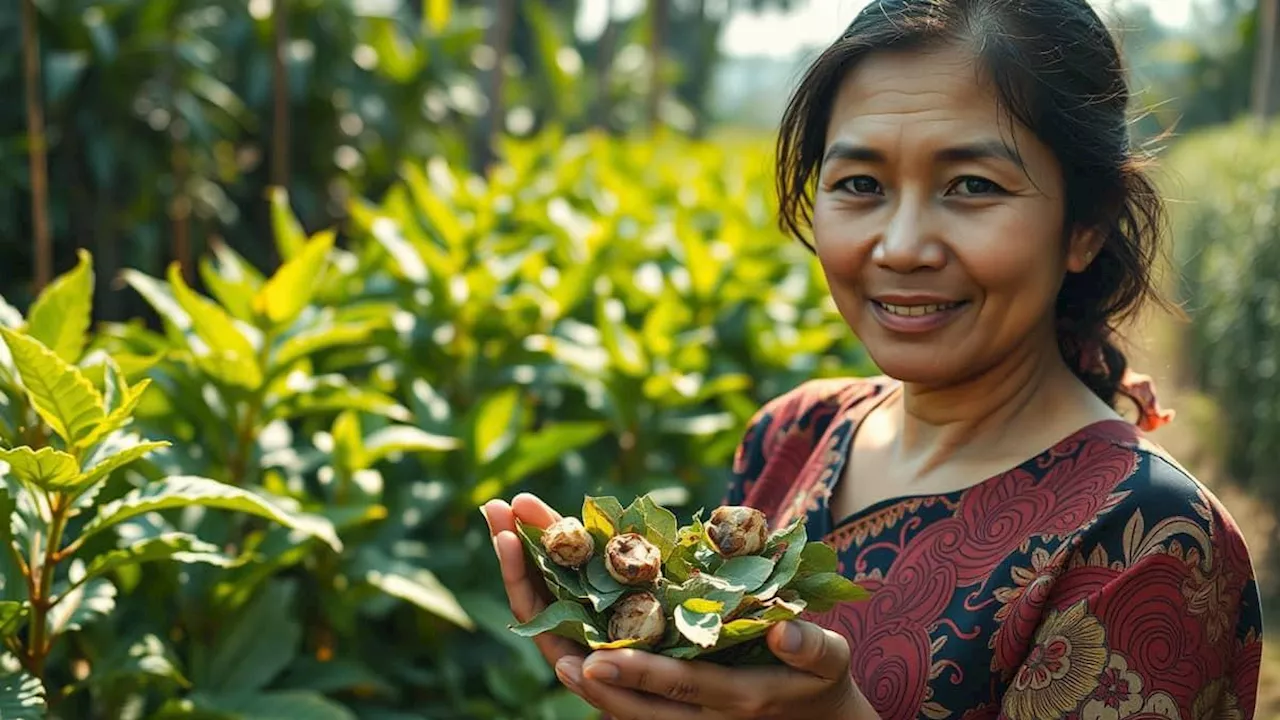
point(1096, 580)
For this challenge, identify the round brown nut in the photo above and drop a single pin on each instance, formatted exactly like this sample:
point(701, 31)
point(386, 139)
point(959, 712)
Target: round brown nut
point(736, 530)
point(631, 559)
point(568, 543)
point(638, 615)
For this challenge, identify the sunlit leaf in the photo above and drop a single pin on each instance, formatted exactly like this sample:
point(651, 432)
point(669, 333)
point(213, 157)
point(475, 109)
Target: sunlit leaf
point(45, 468)
point(64, 398)
point(60, 316)
point(284, 296)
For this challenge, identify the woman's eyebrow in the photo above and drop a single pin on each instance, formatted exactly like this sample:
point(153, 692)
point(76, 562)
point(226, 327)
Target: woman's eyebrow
point(977, 150)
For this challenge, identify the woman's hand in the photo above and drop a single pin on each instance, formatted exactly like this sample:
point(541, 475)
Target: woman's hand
point(634, 685)
point(526, 592)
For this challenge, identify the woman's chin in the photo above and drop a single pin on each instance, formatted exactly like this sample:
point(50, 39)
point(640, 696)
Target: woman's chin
point(915, 367)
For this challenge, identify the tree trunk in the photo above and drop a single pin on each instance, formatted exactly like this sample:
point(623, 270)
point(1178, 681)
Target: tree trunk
point(42, 245)
point(658, 13)
point(498, 37)
point(280, 108)
point(1266, 74)
point(608, 47)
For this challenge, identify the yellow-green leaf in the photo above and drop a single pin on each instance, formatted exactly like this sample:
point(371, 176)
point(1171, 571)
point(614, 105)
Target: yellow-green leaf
point(118, 418)
point(285, 295)
point(289, 234)
point(437, 14)
point(64, 398)
point(60, 317)
point(45, 468)
point(703, 605)
point(233, 355)
point(106, 466)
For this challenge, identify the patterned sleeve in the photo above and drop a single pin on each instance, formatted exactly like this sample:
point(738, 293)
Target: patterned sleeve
point(749, 459)
point(1155, 614)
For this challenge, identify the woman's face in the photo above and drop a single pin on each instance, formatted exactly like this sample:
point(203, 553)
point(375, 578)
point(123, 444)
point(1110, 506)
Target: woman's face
point(939, 227)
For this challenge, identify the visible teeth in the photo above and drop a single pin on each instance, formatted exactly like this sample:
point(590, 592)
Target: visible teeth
point(917, 310)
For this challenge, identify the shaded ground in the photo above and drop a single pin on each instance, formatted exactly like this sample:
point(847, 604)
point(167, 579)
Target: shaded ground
point(1194, 439)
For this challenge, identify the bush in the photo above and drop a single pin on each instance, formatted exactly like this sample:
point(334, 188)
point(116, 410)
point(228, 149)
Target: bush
point(1228, 244)
point(601, 317)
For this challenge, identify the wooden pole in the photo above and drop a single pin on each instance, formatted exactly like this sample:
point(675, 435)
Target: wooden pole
point(1266, 94)
point(42, 245)
point(658, 13)
point(498, 37)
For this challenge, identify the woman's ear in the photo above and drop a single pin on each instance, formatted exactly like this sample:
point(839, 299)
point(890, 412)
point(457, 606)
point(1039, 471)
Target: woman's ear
point(1083, 247)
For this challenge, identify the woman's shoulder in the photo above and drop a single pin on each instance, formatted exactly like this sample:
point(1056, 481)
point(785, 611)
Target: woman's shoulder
point(817, 400)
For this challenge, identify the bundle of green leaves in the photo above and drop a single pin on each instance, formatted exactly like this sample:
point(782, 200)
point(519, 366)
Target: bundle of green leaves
point(628, 577)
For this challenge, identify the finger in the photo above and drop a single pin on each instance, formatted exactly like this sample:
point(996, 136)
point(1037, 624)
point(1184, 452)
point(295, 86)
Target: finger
point(499, 517)
point(622, 703)
point(530, 510)
point(524, 598)
point(693, 683)
point(809, 648)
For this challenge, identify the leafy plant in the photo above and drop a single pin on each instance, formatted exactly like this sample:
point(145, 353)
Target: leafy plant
point(714, 605)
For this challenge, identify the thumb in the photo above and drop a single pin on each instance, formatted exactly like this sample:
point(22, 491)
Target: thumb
point(809, 648)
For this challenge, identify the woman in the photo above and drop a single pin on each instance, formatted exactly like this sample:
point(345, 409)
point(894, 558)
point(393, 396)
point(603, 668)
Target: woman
point(983, 223)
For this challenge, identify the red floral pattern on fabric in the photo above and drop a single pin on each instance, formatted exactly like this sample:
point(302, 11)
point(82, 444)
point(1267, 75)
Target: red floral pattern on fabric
point(1096, 580)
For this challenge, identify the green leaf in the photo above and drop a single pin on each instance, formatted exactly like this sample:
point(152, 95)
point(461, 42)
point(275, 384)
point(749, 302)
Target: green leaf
point(417, 586)
point(824, 590)
point(227, 353)
point(9, 315)
point(747, 571)
point(160, 297)
point(791, 542)
point(284, 296)
point(705, 587)
point(660, 525)
point(817, 557)
point(564, 618)
point(21, 697)
point(186, 491)
point(64, 398)
point(46, 468)
point(322, 336)
point(601, 589)
point(536, 451)
point(259, 642)
point(289, 235)
point(701, 628)
point(278, 705)
point(125, 452)
point(403, 439)
point(82, 604)
point(231, 280)
point(60, 316)
point(494, 421)
point(176, 546)
point(118, 418)
point(600, 517)
point(310, 395)
point(11, 614)
point(437, 14)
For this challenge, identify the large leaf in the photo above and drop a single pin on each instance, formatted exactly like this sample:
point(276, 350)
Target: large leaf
point(228, 353)
point(401, 439)
point(188, 490)
point(565, 618)
point(46, 468)
point(321, 336)
point(289, 235)
point(256, 645)
point(160, 297)
point(284, 296)
point(280, 705)
point(60, 316)
point(414, 585)
point(119, 417)
point(82, 604)
point(21, 697)
point(121, 453)
point(176, 546)
point(309, 395)
point(11, 614)
point(64, 398)
point(233, 281)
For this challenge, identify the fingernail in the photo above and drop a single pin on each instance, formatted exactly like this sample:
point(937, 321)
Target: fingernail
point(790, 638)
point(600, 670)
point(568, 671)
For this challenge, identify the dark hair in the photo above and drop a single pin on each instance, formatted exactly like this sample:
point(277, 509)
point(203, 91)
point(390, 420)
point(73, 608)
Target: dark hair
point(1057, 71)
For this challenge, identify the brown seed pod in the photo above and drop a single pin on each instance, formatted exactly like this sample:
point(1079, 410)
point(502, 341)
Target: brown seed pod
point(568, 543)
point(638, 615)
point(736, 530)
point(632, 560)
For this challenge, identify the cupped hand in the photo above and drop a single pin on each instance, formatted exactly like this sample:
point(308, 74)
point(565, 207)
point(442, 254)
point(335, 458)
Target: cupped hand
point(527, 594)
point(636, 685)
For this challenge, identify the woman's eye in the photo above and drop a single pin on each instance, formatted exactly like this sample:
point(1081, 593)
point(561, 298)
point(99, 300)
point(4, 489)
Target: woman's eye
point(970, 185)
point(861, 185)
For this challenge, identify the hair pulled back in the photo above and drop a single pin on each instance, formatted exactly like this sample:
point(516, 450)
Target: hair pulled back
point(1056, 70)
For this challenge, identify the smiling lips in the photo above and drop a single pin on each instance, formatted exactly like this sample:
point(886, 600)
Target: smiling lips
point(916, 316)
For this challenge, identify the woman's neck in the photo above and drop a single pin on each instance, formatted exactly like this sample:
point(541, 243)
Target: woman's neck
point(1001, 411)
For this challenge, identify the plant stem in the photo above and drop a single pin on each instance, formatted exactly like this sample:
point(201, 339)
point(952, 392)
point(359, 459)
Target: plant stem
point(36, 147)
point(39, 643)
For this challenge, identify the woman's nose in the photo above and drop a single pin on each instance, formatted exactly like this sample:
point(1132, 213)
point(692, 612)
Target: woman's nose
point(909, 241)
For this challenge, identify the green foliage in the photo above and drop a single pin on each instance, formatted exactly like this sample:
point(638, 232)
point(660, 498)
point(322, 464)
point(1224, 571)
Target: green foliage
point(1228, 245)
point(271, 495)
point(717, 609)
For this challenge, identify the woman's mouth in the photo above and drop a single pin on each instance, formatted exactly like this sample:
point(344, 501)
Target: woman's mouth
point(917, 317)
